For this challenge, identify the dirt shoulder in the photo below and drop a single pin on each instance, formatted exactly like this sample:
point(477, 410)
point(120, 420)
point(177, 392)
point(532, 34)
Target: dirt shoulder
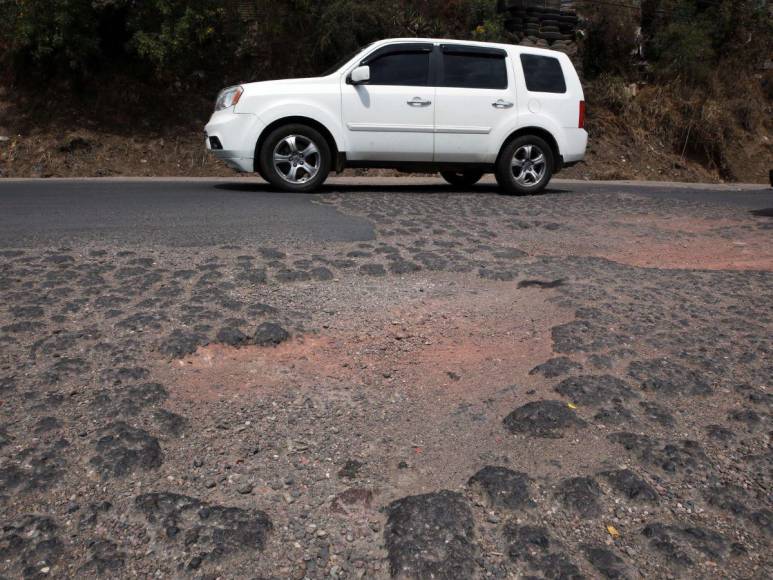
point(60, 149)
point(86, 153)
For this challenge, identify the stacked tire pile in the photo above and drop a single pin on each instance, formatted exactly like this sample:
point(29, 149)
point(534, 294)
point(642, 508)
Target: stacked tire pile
point(543, 23)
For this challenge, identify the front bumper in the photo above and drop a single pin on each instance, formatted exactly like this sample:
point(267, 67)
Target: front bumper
point(238, 134)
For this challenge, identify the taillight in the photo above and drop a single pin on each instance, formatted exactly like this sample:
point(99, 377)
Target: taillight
point(582, 114)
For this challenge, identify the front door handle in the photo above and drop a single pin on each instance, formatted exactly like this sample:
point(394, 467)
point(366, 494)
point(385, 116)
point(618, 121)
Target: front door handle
point(502, 104)
point(419, 102)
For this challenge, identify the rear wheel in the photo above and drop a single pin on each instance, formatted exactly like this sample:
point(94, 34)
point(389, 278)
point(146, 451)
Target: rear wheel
point(462, 178)
point(525, 165)
point(295, 158)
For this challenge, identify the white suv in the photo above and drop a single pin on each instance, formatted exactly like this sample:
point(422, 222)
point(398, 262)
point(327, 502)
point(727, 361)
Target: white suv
point(461, 108)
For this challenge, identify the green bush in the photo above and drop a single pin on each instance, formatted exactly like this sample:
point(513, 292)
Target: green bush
point(73, 39)
point(684, 49)
point(307, 36)
point(611, 41)
point(683, 46)
point(189, 40)
point(178, 37)
point(695, 35)
point(345, 25)
point(51, 36)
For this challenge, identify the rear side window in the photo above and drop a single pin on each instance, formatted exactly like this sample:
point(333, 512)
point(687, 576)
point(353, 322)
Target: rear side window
point(543, 74)
point(474, 71)
point(410, 69)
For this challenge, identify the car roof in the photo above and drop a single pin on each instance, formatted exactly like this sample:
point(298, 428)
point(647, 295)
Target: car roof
point(518, 48)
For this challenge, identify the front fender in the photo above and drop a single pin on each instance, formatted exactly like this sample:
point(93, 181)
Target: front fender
point(296, 109)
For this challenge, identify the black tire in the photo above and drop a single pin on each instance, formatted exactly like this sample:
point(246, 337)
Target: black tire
point(462, 178)
point(276, 176)
point(506, 173)
point(259, 170)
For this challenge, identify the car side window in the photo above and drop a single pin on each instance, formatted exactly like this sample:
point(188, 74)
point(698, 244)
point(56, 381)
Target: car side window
point(543, 74)
point(474, 71)
point(409, 69)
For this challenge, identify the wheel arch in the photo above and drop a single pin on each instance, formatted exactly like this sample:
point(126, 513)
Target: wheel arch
point(299, 120)
point(540, 132)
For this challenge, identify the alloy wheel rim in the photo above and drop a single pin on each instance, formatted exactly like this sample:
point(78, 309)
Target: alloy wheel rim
point(297, 159)
point(528, 165)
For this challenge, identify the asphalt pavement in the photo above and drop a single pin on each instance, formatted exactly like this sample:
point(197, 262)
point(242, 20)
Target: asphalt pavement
point(211, 212)
point(197, 378)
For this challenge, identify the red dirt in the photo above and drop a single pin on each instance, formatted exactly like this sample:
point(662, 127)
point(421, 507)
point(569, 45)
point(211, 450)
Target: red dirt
point(741, 248)
point(440, 347)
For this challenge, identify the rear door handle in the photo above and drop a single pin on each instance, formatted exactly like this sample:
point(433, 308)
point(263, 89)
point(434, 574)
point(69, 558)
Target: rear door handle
point(419, 102)
point(502, 104)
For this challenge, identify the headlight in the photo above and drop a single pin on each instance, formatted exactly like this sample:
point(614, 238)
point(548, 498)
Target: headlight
point(228, 98)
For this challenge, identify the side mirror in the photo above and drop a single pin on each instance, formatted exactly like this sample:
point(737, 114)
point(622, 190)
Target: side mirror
point(359, 76)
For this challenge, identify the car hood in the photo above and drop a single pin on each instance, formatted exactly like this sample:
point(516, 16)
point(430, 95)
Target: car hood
point(279, 86)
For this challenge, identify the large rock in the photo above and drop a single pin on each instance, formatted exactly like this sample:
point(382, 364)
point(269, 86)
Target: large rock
point(181, 343)
point(534, 547)
point(138, 397)
point(28, 545)
point(678, 545)
point(200, 531)
point(431, 536)
point(609, 564)
point(106, 560)
point(35, 468)
point(270, 334)
point(502, 488)
point(592, 390)
point(556, 367)
point(581, 496)
point(231, 337)
point(526, 542)
point(631, 485)
point(682, 455)
point(543, 419)
point(122, 449)
point(662, 376)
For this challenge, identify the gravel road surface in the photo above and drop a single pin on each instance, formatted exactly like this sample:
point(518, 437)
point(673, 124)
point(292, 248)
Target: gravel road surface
point(391, 378)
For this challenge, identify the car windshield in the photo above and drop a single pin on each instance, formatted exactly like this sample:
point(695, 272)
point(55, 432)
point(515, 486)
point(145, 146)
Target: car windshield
point(343, 61)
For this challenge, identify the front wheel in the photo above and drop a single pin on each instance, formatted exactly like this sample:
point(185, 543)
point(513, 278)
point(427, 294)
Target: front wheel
point(525, 166)
point(295, 158)
point(462, 178)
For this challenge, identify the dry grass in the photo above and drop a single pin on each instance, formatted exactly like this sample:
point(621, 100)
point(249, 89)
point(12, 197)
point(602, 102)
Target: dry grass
point(728, 134)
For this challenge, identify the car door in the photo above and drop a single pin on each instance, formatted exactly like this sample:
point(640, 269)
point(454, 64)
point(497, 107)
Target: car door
point(475, 95)
point(391, 117)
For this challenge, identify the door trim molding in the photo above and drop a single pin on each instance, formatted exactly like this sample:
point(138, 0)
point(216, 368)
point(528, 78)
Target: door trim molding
point(463, 130)
point(390, 128)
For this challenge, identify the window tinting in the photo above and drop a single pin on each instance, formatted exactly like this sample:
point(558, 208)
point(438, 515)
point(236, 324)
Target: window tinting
point(543, 74)
point(474, 71)
point(409, 69)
